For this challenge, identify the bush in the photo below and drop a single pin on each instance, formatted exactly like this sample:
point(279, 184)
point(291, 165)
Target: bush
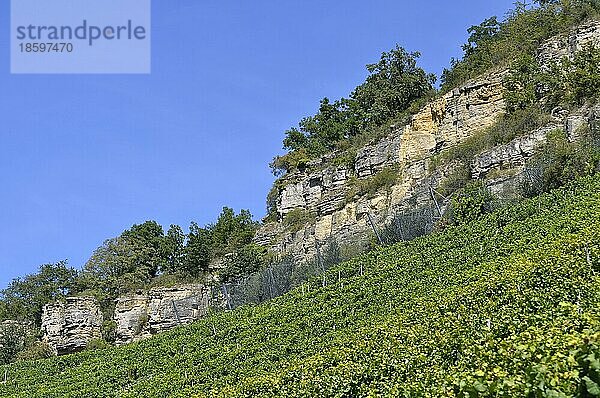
point(245, 261)
point(97, 344)
point(506, 306)
point(272, 197)
point(494, 44)
point(409, 224)
point(459, 177)
point(109, 331)
point(573, 82)
point(566, 83)
point(505, 129)
point(12, 340)
point(561, 161)
point(393, 85)
point(297, 218)
point(358, 187)
point(472, 202)
point(35, 351)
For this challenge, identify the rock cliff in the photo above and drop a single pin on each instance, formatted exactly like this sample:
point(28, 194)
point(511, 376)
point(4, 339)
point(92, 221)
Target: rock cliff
point(326, 191)
point(68, 326)
point(142, 315)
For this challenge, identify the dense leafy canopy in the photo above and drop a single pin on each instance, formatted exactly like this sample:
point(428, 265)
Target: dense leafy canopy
point(24, 298)
point(140, 257)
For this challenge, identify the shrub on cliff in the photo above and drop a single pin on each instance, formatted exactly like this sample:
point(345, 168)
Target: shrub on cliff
point(496, 43)
point(561, 161)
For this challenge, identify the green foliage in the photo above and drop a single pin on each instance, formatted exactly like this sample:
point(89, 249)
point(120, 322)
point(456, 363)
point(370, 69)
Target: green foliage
point(140, 257)
point(494, 44)
point(109, 331)
point(35, 351)
point(505, 129)
point(133, 260)
point(503, 306)
point(346, 159)
point(97, 344)
point(459, 177)
point(173, 246)
point(248, 259)
point(570, 82)
point(127, 262)
point(297, 219)
point(24, 298)
point(197, 252)
point(523, 83)
point(584, 76)
point(369, 186)
point(294, 160)
point(471, 203)
point(393, 84)
point(561, 161)
point(272, 215)
point(12, 340)
point(231, 231)
point(409, 224)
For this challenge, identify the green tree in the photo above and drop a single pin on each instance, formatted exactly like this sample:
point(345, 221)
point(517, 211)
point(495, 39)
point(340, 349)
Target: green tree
point(231, 231)
point(147, 242)
point(392, 85)
point(24, 298)
point(471, 203)
point(14, 337)
point(248, 259)
point(173, 249)
point(197, 251)
point(479, 35)
point(127, 262)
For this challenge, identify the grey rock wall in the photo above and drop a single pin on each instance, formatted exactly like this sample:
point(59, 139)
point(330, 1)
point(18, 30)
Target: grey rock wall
point(68, 326)
point(143, 315)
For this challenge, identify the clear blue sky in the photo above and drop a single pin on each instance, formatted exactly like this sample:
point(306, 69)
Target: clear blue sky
point(83, 157)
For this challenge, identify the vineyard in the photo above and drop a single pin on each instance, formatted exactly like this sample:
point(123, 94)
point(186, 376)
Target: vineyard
point(505, 306)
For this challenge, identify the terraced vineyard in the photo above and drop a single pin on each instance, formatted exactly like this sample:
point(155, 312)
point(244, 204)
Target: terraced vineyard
point(506, 306)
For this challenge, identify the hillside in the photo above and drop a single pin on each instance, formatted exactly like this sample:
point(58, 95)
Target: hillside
point(517, 115)
point(507, 305)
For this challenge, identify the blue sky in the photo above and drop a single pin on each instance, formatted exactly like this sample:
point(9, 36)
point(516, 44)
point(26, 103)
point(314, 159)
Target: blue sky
point(83, 157)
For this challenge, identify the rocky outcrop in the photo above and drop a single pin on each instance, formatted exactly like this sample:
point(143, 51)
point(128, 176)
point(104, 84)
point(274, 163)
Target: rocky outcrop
point(443, 123)
point(142, 315)
point(330, 192)
point(407, 150)
point(568, 45)
point(512, 155)
point(327, 190)
point(68, 326)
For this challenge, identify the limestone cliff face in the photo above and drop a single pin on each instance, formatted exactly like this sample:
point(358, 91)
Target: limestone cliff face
point(562, 46)
point(68, 326)
point(441, 124)
point(142, 315)
point(325, 191)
